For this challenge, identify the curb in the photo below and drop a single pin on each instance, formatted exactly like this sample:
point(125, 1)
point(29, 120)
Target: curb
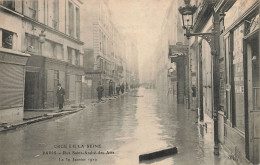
point(51, 115)
point(38, 119)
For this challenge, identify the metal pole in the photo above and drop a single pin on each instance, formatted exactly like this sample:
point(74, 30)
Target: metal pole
point(215, 54)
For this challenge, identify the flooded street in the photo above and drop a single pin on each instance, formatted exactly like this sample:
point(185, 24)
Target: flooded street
point(115, 132)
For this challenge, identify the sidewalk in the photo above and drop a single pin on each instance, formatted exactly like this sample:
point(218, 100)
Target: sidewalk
point(33, 116)
point(37, 115)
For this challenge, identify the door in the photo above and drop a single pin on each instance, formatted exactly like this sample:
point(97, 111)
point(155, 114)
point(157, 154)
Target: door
point(254, 97)
point(78, 92)
point(31, 94)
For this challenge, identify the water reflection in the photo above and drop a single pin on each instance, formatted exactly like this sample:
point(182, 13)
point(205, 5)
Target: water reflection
point(128, 126)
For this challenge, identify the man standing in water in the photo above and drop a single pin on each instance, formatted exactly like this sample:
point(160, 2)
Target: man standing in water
point(100, 90)
point(60, 96)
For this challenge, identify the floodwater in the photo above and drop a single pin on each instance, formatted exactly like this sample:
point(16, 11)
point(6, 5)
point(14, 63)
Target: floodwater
point(114, 133)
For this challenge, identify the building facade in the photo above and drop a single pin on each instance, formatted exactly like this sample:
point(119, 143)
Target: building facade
point(238, 113)
point(171, 57)
point(49, 31)
point(106, 47)
point(238, 49)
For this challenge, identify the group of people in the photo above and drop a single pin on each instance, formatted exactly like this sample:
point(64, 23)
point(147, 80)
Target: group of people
point(100, 89)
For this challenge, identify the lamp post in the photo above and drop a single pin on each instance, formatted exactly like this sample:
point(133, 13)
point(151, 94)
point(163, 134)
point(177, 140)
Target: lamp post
point(213, 39)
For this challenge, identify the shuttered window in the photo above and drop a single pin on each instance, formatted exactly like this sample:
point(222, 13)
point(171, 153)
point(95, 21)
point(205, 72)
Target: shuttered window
point(11, 86)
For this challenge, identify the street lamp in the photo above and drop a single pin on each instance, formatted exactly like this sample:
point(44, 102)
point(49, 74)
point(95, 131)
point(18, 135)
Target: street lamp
point(213, 40)
point(187, 16)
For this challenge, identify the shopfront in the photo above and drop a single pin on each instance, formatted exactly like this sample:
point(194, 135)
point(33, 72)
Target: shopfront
point(242, 87)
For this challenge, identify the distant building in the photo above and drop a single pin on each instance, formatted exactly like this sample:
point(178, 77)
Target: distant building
point(171, 61)
point(105, 48)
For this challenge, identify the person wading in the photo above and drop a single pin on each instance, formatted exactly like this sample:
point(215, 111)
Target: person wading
point(118, 89)
point(60, 96)
point(100, 90)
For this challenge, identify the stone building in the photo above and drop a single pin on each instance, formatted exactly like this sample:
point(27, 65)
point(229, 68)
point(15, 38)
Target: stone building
point(49, 31)
point(171, 57)
point(105, 58)
point(238, 114)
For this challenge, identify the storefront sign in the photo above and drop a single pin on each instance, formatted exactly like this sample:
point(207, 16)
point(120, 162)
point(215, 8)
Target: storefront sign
point(178, 50)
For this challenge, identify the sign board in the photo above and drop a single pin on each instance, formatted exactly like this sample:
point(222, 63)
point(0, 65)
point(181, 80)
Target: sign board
point(178, 50)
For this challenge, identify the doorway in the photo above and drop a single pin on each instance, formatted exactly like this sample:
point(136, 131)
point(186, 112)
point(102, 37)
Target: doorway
point(31, 94)
point(253, 84)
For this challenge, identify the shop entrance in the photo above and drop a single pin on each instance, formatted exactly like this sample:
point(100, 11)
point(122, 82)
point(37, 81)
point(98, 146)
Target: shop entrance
point(31, 94)
point(253, 96)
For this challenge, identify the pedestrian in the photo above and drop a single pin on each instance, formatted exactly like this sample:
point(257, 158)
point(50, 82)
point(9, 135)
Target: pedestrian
point(60, 96)
point(118, 89)
point(100, 90)
point(126, 87)
point(110, 89)
point(122, 87)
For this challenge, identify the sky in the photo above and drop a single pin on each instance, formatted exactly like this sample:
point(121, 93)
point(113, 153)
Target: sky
point(141, 21)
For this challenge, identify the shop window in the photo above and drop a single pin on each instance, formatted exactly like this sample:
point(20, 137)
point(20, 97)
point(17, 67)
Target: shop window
point(8, 4)
point(238, 80)
point(7, 39)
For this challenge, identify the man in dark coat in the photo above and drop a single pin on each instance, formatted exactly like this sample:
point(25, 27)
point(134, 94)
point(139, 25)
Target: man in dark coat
point(110, 90)
point(118, 89)
point(100, 90)
point(60, 96)
point(122, 87)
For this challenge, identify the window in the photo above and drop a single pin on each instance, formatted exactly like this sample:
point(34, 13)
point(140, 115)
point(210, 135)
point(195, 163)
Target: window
point(32, 43)
point(77, 62)
point(77, 23)
point(54, 50)
point(31, 9)
point(101, 64)
point(55, 21)
point(100, 42)
point(71, 19)
point(70, 55)
point(238, 80)
point(7, 39)
point(8, 4)
point(56, 75)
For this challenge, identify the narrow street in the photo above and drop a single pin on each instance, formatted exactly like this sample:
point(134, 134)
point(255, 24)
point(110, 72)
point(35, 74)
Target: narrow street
point(114, 133)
